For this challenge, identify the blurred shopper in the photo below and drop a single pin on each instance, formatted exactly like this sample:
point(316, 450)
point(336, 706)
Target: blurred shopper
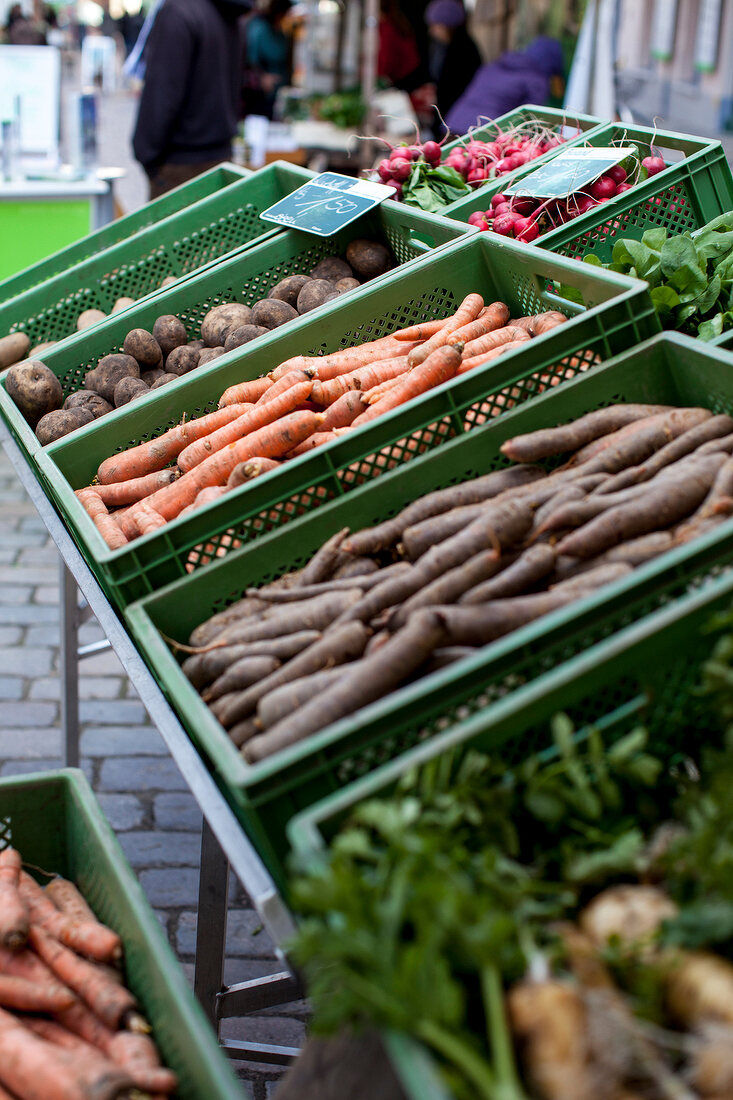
point(508, 82)
point(267, 57)
point(22, 31)
point(189, 103)
point(454, 56)
point(398, 56)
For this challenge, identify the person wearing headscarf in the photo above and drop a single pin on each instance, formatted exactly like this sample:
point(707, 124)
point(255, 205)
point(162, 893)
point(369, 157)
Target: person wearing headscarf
point(507, 83)
point(454, 56)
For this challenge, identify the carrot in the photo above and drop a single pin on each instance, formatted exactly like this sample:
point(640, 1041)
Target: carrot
point(311, 614)
point(636, 442)
point(108, 1000)
point(89, 938)
point(492, 317)
point(422, 331)
point(26, 964)
point(282, 701)
point(157, 453)
point(439, 367)
point(23, 995)
point(119, 493)
point(344, 411)
point(106, 524)
point(34, 1069)
point(69, 900)
point(449, 586)
point(148, 520)
point(368, 679)
point(318, 439)
point(570, 437)
point(244, 392)
point(241, 675)
point(288, 380)
point(248, 471)
point(325, 393)
point(269, 441)
point(468, 310)
point(329, 366)
point(480, 624)
point(137, 1055)
point(473, 361)
point(531, 566)
point(545, 322)
point(365, 581)
point(254, 418)
point(374, 394)
point(14, 916)
point(323, 562)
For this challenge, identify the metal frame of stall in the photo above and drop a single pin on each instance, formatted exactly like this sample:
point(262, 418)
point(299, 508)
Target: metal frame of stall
point(224, 845)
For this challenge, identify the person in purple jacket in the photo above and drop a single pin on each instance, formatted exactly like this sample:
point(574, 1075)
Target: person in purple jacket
point(508, 82)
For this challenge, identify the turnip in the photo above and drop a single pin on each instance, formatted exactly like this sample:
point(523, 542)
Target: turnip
point(653, 165)
point(603, 188)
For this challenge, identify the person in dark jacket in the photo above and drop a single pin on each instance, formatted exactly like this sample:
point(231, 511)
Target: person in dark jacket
point(508, 82)
point(454, 56)
point(188, 110)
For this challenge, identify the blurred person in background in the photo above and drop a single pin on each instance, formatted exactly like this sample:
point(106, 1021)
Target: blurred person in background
point(22, 31)
point(189, 104)
point(454, 56)
point(513, 79)
point(267, 57)
point(398, 56)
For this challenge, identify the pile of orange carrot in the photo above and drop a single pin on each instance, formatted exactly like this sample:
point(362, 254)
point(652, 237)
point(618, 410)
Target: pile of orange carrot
point(69, 1027)
point(304, 402)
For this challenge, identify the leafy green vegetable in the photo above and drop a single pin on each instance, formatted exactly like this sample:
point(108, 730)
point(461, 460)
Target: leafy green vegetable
point(433, 188)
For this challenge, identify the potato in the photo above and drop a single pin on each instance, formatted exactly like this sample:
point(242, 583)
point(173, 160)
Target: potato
point(152, 375)
point(169, 332)
point(35, 389)
point(13, 348)
point(316, 293)
point(219, 320)
point(210, 353)
point(272, 312)
point(87, 399)
point(181, 360)
point(287, 290)
point(60, 422)
point(332, 269)
point(368, 258)
point(127, 389)
point(103, 378)
point(168, 281)
point(346, 284)
point(122, 303)
point(142, 345)
point(88, 318)
point(38, 350)
point(163, 381)
point(198, 344)
point(242, 335)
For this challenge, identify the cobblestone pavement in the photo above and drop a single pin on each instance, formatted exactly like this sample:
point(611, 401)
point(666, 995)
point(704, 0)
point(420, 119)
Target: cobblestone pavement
point(138, 785)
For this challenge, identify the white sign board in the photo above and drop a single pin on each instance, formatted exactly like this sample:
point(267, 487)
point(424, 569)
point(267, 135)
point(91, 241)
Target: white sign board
point(34, 74)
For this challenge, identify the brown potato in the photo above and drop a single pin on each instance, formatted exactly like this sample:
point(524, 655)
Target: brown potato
point(208, 354)
point(316, 293)
point(34, 388)
point(198, 344)
point(122, 303)
point(88, 318)
point(168, 281)
point(181, 360)
point(368, 258)
point(272, 312)
point(169, 332)
point(332, 269)
point(60, 422)
point(109, 370)
point(87, 399)
point(287, 290)
point(142, 345)
point(243, 335)
point(163, 381)
point(127, 389)
point(150, 376)
point(221, 319)
point(13, 348)
point(346, 284)
point(38, 350)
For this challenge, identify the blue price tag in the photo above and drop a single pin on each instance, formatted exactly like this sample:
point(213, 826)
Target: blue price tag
point(327, 203)
point(570, 171)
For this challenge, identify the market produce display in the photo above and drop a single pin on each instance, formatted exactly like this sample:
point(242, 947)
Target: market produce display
point(690, 275)
point(69, 1027)
point(422, 176)
point(149, 360)
point(524, 218)
point(557, 930)
point(301, 404)
point(461, 567)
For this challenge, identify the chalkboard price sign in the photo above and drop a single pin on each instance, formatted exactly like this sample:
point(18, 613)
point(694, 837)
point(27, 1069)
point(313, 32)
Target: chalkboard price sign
point(570, 171)
point(327, 203)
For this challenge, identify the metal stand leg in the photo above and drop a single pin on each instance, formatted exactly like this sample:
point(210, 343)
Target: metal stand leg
point(68, 594)
point(211, 929)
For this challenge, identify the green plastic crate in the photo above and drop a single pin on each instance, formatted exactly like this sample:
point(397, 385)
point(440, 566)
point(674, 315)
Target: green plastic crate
point(55, 822)
point(208, 183)
point(619, 315)
point(245, 276)
point(176, 245)
point(669, 369)
point(696, 186)
point(575, 127)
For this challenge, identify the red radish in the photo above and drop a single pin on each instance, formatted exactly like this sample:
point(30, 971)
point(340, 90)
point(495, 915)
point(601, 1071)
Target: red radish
point(497, 199)
point(484, 225)
point(384, 168)
point(503, 208)
point(603, 188)
point(477, 175)
point(401, 169)
point(653, 165)
point(397, 190)
point(399, 152)
point(522, 206)
point(431, 152)
point(581, 204)
point(617, 173)
point(412, 152)
point(621, 187)
point(526, 230)
point(504, 224)
point(477, 217)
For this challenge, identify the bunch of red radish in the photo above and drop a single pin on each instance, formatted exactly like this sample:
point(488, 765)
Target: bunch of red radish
point(395, 169)
point(524, 218)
